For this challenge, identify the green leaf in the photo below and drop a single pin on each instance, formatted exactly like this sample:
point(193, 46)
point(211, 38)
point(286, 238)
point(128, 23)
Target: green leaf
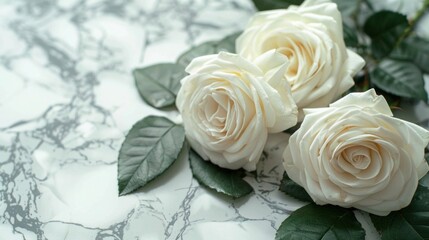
point(150, 147)
point(414, 49)
point(199, 50)
point(399, 78)
point(350, 37)
point(293, 189)
point(263, 5)
point(384, 28)
point(159, 84)
point(228, 182)
point(226, 44)
point(321, 222)
point(424, 181)
point(411, 222)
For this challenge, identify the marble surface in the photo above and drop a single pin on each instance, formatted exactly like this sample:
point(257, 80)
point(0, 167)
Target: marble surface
point(67, 99)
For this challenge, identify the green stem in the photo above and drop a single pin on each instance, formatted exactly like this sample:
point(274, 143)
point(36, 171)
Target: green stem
point(413, 23)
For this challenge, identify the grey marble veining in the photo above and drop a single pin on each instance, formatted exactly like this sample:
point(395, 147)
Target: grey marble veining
point(67, 99)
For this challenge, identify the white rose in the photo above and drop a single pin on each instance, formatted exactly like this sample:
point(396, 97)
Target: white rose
point(311, 36)
point(355, 154)
point(229, 105)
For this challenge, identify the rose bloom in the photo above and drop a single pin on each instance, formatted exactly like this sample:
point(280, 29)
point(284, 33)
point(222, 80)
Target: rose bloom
point(311, 36)
point(229, 105)
point(355, 154)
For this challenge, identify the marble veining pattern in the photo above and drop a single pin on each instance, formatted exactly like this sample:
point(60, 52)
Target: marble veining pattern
point(67, 99)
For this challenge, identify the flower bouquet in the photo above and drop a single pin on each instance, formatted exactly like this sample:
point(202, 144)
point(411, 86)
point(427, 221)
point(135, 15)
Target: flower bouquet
point(328, 80)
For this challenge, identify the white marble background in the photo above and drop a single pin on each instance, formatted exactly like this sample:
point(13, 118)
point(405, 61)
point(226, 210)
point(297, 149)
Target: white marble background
point(67, 98)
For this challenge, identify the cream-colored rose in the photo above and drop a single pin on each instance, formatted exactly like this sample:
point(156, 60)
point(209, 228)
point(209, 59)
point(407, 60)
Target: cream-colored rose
point(356, 154)
point(311, 36)
point(229, 105)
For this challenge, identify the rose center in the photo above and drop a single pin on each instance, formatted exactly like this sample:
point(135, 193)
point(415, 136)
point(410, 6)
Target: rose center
point(215, 109)
point(300, 54)
point(293, 67)
point(358, 157)
point(360, 161)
